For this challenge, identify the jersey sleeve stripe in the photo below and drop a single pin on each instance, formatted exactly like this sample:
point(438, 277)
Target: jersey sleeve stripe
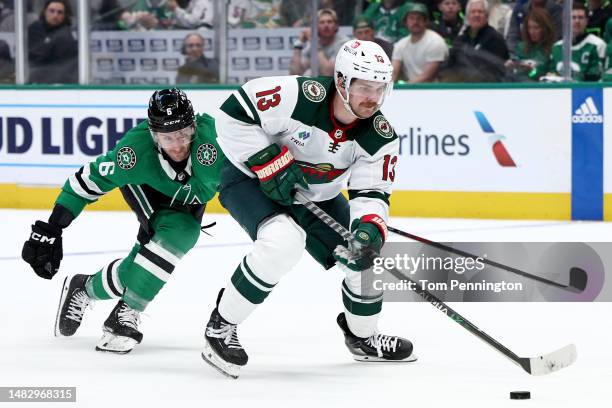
point(245, 100)
point(243, 104)
point(236, 107)
point(77, 188)
point(384, 197)
point(86, 178)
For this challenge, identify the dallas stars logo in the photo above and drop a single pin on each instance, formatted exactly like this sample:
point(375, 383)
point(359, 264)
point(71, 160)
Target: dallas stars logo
point(126, 158)
point(207, 154)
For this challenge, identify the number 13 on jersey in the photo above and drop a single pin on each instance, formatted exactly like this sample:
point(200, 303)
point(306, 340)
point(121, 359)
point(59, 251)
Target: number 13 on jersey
point(268, 99)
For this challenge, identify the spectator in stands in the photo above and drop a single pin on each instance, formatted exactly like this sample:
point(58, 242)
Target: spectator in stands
point(479, 35)
point(52, 48)
point(607, 74)
point(500, 15)
point(197, 68)
point(608, 31)
point(588, 50)
point(363, 30)
point(109, 16)
point(387, 18)
point(598, 14)
point(329, 44)
point(148, 15)
point(345, 10)
point(522, 9)
point(197, 13)
point(7, 64)
point(449, 20)
point(294, 13)
point(418, 56)
point(7, 15)
point(533, 51)
point(254, 13)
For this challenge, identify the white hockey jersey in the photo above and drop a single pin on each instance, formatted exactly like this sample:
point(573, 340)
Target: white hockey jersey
point(297, 112)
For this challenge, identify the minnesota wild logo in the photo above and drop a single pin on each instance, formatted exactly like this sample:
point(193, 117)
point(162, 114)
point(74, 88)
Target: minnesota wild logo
point(383, 127)
point(319, 173)
point(207, 154)
point(126, 158)
point(313, 91)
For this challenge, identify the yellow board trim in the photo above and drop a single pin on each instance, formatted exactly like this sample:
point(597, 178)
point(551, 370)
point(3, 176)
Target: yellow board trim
point(438, 204)
point(491, 205)
point(607, 207)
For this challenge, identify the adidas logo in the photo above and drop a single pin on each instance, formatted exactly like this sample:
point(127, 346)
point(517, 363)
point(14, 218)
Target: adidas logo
point(587, 113)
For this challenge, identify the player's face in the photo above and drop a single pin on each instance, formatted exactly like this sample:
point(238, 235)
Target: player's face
point(176, 144)
point(365, 96)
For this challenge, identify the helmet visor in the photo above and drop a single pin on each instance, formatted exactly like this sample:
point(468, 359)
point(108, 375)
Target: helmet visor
point(368, 89)
point(177, 138)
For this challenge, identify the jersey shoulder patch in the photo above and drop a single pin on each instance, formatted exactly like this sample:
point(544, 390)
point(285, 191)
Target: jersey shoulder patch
point(134, 147)
point(375, 133)
point(314, 96)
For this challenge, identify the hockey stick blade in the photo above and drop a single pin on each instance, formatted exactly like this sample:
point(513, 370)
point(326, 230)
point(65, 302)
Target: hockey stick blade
point(551, 362)
point(578, 279)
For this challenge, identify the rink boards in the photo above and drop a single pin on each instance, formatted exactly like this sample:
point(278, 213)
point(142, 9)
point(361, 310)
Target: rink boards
point(500, 152)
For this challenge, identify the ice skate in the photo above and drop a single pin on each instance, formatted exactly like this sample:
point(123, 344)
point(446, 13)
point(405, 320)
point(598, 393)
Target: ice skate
point(222, 349)
point(120, 330)
point(378, 347)
point(73, 302)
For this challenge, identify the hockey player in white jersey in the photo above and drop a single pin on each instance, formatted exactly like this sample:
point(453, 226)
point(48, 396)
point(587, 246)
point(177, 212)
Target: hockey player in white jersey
point(314, 135)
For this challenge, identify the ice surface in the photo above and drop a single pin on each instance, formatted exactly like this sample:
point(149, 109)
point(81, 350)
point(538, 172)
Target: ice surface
point(297, 355)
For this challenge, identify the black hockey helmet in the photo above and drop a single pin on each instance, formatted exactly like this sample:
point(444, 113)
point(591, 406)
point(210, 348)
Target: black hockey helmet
point(169, 111)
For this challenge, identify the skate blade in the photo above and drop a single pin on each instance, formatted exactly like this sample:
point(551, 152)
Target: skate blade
point(375, 359)
point(111, 343)
point(216, 362)
point(65, 287)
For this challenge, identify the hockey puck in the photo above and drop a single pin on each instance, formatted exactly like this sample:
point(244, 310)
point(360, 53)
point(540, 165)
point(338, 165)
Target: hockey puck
point(520, 395)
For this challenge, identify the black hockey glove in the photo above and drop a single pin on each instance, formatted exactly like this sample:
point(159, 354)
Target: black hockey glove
point(43, 251)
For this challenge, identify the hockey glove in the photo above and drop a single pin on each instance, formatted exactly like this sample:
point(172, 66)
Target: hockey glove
point(370, 233)
point(277, 172)
point(43, 251)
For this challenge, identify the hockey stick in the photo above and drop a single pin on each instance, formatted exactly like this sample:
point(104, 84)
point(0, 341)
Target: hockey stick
point(544, 364)
point(577, 276)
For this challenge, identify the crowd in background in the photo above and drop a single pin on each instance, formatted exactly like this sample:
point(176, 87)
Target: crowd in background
point(426, 40)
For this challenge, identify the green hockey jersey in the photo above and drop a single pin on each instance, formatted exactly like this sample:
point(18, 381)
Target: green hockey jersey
point(136, 161)
point(587, 58)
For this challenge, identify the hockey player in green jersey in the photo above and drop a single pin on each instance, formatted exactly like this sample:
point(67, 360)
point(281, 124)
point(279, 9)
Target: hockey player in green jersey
point(313, 135)
point(167, 169)
point(588, 50)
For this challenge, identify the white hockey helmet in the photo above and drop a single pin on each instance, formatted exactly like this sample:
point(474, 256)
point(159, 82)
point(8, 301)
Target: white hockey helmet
point(362, 60)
